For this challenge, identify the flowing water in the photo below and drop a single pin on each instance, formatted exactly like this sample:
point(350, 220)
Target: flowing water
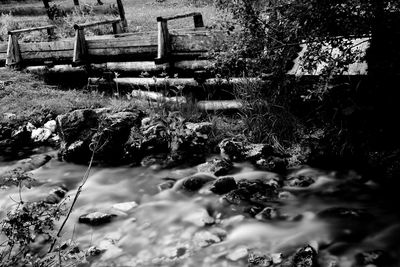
point(171, 228)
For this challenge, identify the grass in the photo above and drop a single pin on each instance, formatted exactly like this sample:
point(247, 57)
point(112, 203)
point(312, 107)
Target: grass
point(30, 99)
point(141, 14)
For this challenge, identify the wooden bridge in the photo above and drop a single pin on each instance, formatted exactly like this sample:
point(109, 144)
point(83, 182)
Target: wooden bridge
point(160, 46)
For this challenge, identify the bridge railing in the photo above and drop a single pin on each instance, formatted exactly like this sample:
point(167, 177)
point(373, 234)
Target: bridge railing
point(164, 42)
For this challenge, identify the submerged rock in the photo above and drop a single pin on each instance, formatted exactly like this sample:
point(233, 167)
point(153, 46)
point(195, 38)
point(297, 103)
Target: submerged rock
point(205, 239)
point(258, 259)
point(300, 181)
point(305, 257)
point(96, 218)
point(268, 213)
point(216, 167)
point(374, 257)
point(264, 156)
point(166, 185)
point(125, 206)
point(193, 183)
point(56, 195)
point(223, 185)
point(238, 254)
point(344, 213)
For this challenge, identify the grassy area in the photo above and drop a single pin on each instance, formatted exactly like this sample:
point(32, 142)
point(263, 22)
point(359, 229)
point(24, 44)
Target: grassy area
point(32, 100)
point(141, 14)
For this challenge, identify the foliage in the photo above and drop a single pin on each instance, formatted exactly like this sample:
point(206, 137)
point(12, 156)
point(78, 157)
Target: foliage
point(26, 224)
point(267, 35)
point(7, 23)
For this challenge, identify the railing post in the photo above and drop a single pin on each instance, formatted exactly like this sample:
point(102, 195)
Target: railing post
point(117, 28)
point(121, 11)
point(163, 40)
point(80, 49)
point(198, 21)
point(13, 51)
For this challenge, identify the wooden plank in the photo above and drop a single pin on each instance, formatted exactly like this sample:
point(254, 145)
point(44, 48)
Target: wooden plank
point(80, 49)
point(191, 82)
point(32, 29)
point(214, 105)
point(150, 66)
point(97, 23)
point(163, 40)
point(65, 45)
point(13, 52)
point(180, 16)
point(125, 51)
point(121, 12)
point(44, 56)
point(122, 42)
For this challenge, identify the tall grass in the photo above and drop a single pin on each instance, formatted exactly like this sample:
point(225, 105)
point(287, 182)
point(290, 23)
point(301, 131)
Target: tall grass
point(264, 121)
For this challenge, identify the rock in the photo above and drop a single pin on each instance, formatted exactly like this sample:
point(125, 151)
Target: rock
point(51, 125)
point(272, 163)
point(300, 181)
point(96, 218)
point(199, 127)
point(277, 258)
point(205, 239)
point(223, 185)
point(268, 213)
point(216, 167)
point(76, 130)
point(32, 163)
point(286, 195)
point(40, 135)
point(166, 185)
point(199, 217)
point(238, 254)
point(56, 195)
point(125, 206)
point(8, 116)
point(257, 259)
point(174, 253)
point(231, 149)
point(305, 257)
point(114, 131)
point(93, 251)
point(193, 183)
point(373, 257)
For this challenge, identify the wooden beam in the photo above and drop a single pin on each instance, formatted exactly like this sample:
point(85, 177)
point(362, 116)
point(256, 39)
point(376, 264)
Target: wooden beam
point(163, 41)
point(13, 52)
point(198, 21)
point(214, 105)
point(182, 16)
point(117, 28)
point(91, 24)
point(47, 27)
point(46, 4)
point(80, 49)
point(121, 11)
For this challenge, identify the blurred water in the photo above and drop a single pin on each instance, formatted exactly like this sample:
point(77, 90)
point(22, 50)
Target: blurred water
point(168, 229)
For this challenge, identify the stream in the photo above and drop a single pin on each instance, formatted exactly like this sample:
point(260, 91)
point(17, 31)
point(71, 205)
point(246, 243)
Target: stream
point(339, 215)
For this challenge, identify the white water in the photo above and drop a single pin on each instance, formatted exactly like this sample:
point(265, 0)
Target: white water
point(166, 229)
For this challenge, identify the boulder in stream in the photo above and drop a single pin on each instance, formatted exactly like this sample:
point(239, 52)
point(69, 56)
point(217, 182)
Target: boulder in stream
point(96, 218)
point(223, 185)
point(216, 167)
point(193, 183)
point(75, 130)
